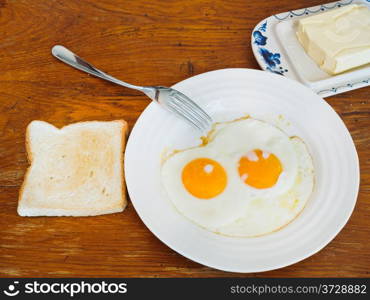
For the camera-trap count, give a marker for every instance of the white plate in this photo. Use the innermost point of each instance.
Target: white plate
(277, 49)
(228, 94)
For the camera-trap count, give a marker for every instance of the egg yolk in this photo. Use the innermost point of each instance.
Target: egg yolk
(260, 169)
(204, 178)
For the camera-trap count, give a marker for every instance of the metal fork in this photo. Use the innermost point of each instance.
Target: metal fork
(169, 98)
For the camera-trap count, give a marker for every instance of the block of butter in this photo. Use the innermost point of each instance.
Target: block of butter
(337, 40)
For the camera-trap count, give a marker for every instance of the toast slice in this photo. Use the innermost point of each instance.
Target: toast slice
(75, 171)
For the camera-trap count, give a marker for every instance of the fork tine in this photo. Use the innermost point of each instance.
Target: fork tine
(185, 113)
(191, 104)
(192, 108)
(197, 108)
(189, 107)
(180, 110)
(198, 112)
(190, 121)
(202, 122)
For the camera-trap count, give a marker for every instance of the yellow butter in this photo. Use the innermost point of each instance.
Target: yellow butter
(337, 40)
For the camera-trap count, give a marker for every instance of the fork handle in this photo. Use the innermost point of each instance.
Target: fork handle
(77, 62)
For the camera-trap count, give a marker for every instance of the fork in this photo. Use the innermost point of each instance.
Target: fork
(171, 99)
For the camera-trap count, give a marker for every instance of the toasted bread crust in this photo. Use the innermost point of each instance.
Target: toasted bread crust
(125, 133)
(29, 159)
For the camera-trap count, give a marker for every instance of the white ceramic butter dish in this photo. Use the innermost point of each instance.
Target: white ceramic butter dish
(277, 49)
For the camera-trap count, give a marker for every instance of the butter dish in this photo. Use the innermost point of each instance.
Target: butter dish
(277, 49)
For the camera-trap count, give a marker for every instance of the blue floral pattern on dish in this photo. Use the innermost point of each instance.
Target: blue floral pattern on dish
(259, 38)
(272, 60)
(264, 26)
(276, 71)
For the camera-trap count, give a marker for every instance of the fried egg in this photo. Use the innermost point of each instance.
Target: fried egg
(248, 178)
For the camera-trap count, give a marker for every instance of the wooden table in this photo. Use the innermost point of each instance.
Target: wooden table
(144, 42)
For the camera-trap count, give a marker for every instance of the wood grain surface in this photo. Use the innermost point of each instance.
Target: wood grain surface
(145, 42)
